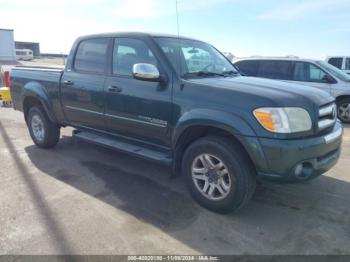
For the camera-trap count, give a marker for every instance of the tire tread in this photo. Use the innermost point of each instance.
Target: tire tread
(248, 179)
(52, 132)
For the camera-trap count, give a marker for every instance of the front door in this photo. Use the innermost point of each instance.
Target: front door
(134, 108)
(82, 87)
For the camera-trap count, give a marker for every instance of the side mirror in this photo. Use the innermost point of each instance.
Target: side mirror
(146, 72)
(328, 79)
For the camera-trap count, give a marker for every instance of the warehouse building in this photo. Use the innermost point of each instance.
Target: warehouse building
(7, 45)
(35, 47)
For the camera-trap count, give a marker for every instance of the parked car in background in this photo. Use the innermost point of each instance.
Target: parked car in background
(341, 62)
(182, 103)
(308, 72)
(24, 54)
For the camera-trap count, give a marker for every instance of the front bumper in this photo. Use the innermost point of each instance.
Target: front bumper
(301, 159)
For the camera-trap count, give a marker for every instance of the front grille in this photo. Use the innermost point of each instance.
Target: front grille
(327, 117)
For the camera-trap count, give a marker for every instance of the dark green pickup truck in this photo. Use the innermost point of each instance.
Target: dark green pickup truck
(180, 102)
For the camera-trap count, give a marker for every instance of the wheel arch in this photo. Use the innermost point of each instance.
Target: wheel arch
(34, 94)
(338, 98)
(195, 127)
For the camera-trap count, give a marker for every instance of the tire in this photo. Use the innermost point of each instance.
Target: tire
(343, 110)
(239, 179)
(38, 120)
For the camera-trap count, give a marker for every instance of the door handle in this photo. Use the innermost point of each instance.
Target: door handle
(115, 89)
(68, 83)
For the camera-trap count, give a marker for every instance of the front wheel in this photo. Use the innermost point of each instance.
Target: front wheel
(343, 106)
(44, 133)
(219, 174)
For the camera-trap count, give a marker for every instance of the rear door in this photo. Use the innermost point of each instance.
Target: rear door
(82, 87)
(134, 108)
(275, 69)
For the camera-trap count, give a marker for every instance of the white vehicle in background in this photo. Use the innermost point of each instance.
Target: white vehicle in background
(307, 72)
(341, 62)
(24, 54)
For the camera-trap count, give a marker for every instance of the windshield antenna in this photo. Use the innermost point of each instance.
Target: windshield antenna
(178, 36)
(177, 19)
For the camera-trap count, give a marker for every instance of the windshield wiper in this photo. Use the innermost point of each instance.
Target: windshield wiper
(211, 74)
(208, 73)
(230, 72)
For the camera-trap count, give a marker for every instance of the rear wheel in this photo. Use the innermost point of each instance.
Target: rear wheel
(343, 106)
(44, 133)
(219, 174)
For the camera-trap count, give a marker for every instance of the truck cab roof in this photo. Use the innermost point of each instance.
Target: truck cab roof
(133, 34)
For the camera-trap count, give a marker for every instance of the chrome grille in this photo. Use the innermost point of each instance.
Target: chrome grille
(327, 116)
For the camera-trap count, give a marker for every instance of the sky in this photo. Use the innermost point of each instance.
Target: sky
(309, 28)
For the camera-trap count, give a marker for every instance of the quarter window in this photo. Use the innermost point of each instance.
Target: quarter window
(336, 61)
(128, 52)
(92, 55)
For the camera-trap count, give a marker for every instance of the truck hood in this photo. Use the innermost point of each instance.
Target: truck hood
(279, 93)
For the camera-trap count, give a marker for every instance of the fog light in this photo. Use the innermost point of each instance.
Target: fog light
(303, 171)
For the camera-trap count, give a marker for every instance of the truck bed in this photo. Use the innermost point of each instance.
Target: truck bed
(24, 78)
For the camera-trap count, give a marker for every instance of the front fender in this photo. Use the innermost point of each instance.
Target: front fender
(38, 91)
(213, 118)
(229, 122)
(340, 92)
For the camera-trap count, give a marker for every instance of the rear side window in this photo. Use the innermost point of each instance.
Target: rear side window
(91, 55)
(248, 67)
(336, 61)
(307, 72)
(275, 69)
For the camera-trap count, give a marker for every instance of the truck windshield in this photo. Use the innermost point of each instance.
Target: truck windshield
(334, 71)
(192, 58)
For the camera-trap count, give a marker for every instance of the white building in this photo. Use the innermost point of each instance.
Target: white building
(7, 45)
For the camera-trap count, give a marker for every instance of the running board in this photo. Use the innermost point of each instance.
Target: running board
(124, 146)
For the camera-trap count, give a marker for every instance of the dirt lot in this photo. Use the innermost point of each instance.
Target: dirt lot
(82, 199)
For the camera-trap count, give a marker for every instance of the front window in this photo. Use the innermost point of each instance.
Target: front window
(334, 71)
(307, 72)
(192, 58)
(129, 51)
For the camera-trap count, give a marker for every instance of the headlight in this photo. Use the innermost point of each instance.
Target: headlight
(283, 120)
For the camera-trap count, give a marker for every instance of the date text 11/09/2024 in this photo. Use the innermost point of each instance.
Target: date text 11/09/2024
(173, 258)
